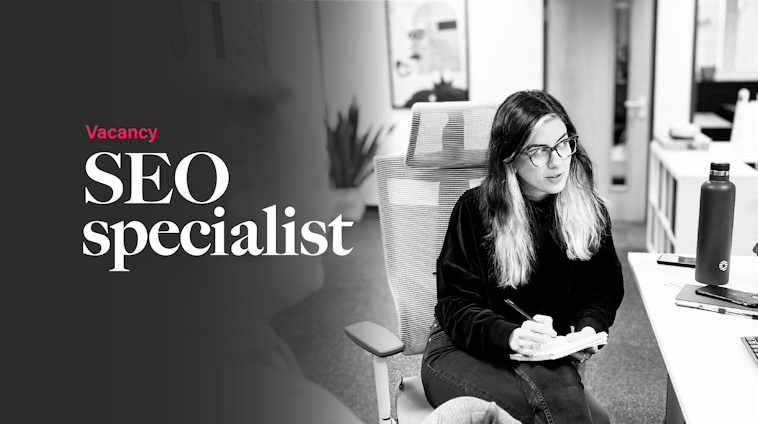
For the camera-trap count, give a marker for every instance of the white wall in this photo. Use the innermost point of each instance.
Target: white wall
(674, 49)
(354, 58)
(506, 42)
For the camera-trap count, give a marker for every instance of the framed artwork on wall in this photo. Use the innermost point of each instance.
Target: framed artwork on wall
(428, 51)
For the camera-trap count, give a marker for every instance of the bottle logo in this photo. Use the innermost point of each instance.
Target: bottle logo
(723, 265)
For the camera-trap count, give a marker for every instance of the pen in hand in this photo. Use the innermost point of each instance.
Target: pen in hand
(519, 310)
(530, 318)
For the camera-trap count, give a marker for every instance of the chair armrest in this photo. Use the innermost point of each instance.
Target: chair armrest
(374, 338)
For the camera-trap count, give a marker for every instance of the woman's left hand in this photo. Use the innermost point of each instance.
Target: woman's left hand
(583, 355)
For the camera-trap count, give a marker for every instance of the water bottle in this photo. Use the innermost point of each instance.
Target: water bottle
(714, 229)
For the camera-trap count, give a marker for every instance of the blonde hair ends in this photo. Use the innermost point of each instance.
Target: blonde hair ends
(579, 223)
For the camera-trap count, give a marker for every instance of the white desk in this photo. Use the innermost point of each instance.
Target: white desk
(714, 378)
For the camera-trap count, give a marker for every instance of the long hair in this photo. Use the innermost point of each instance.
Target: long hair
(580, 216)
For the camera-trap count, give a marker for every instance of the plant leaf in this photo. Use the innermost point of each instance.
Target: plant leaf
(351, 156)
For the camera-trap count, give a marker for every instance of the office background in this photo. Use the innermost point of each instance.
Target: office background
(629, 376)
(330, 54)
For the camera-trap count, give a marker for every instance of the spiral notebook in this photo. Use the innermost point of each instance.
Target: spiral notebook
(560, 347)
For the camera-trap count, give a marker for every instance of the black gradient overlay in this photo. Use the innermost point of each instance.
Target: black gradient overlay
(180, 338)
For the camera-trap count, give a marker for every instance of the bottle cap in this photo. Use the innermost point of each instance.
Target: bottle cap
(719, 166)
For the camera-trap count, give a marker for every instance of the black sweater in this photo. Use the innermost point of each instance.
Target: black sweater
(470, 305)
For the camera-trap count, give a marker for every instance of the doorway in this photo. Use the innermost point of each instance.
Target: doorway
(599, 65)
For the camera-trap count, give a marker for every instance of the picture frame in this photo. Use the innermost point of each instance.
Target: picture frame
(428, 51)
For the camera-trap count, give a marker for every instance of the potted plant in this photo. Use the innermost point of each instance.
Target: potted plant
(351, 158)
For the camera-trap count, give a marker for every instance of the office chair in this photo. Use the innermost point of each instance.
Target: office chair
(417, 192)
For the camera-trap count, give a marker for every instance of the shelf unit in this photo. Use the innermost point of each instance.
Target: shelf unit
(674, 179)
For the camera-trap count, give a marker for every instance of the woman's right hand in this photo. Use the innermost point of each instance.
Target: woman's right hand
(532, 335)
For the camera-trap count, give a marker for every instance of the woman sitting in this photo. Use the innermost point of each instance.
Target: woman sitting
(538, 233)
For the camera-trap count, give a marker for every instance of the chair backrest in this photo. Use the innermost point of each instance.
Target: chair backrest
(446, 156)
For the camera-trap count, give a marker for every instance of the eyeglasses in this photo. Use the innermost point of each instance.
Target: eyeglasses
(541, 156)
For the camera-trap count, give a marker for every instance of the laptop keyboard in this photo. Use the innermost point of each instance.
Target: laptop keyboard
(751, 343)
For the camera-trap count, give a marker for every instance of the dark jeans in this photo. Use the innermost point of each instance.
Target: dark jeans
(532, 392)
